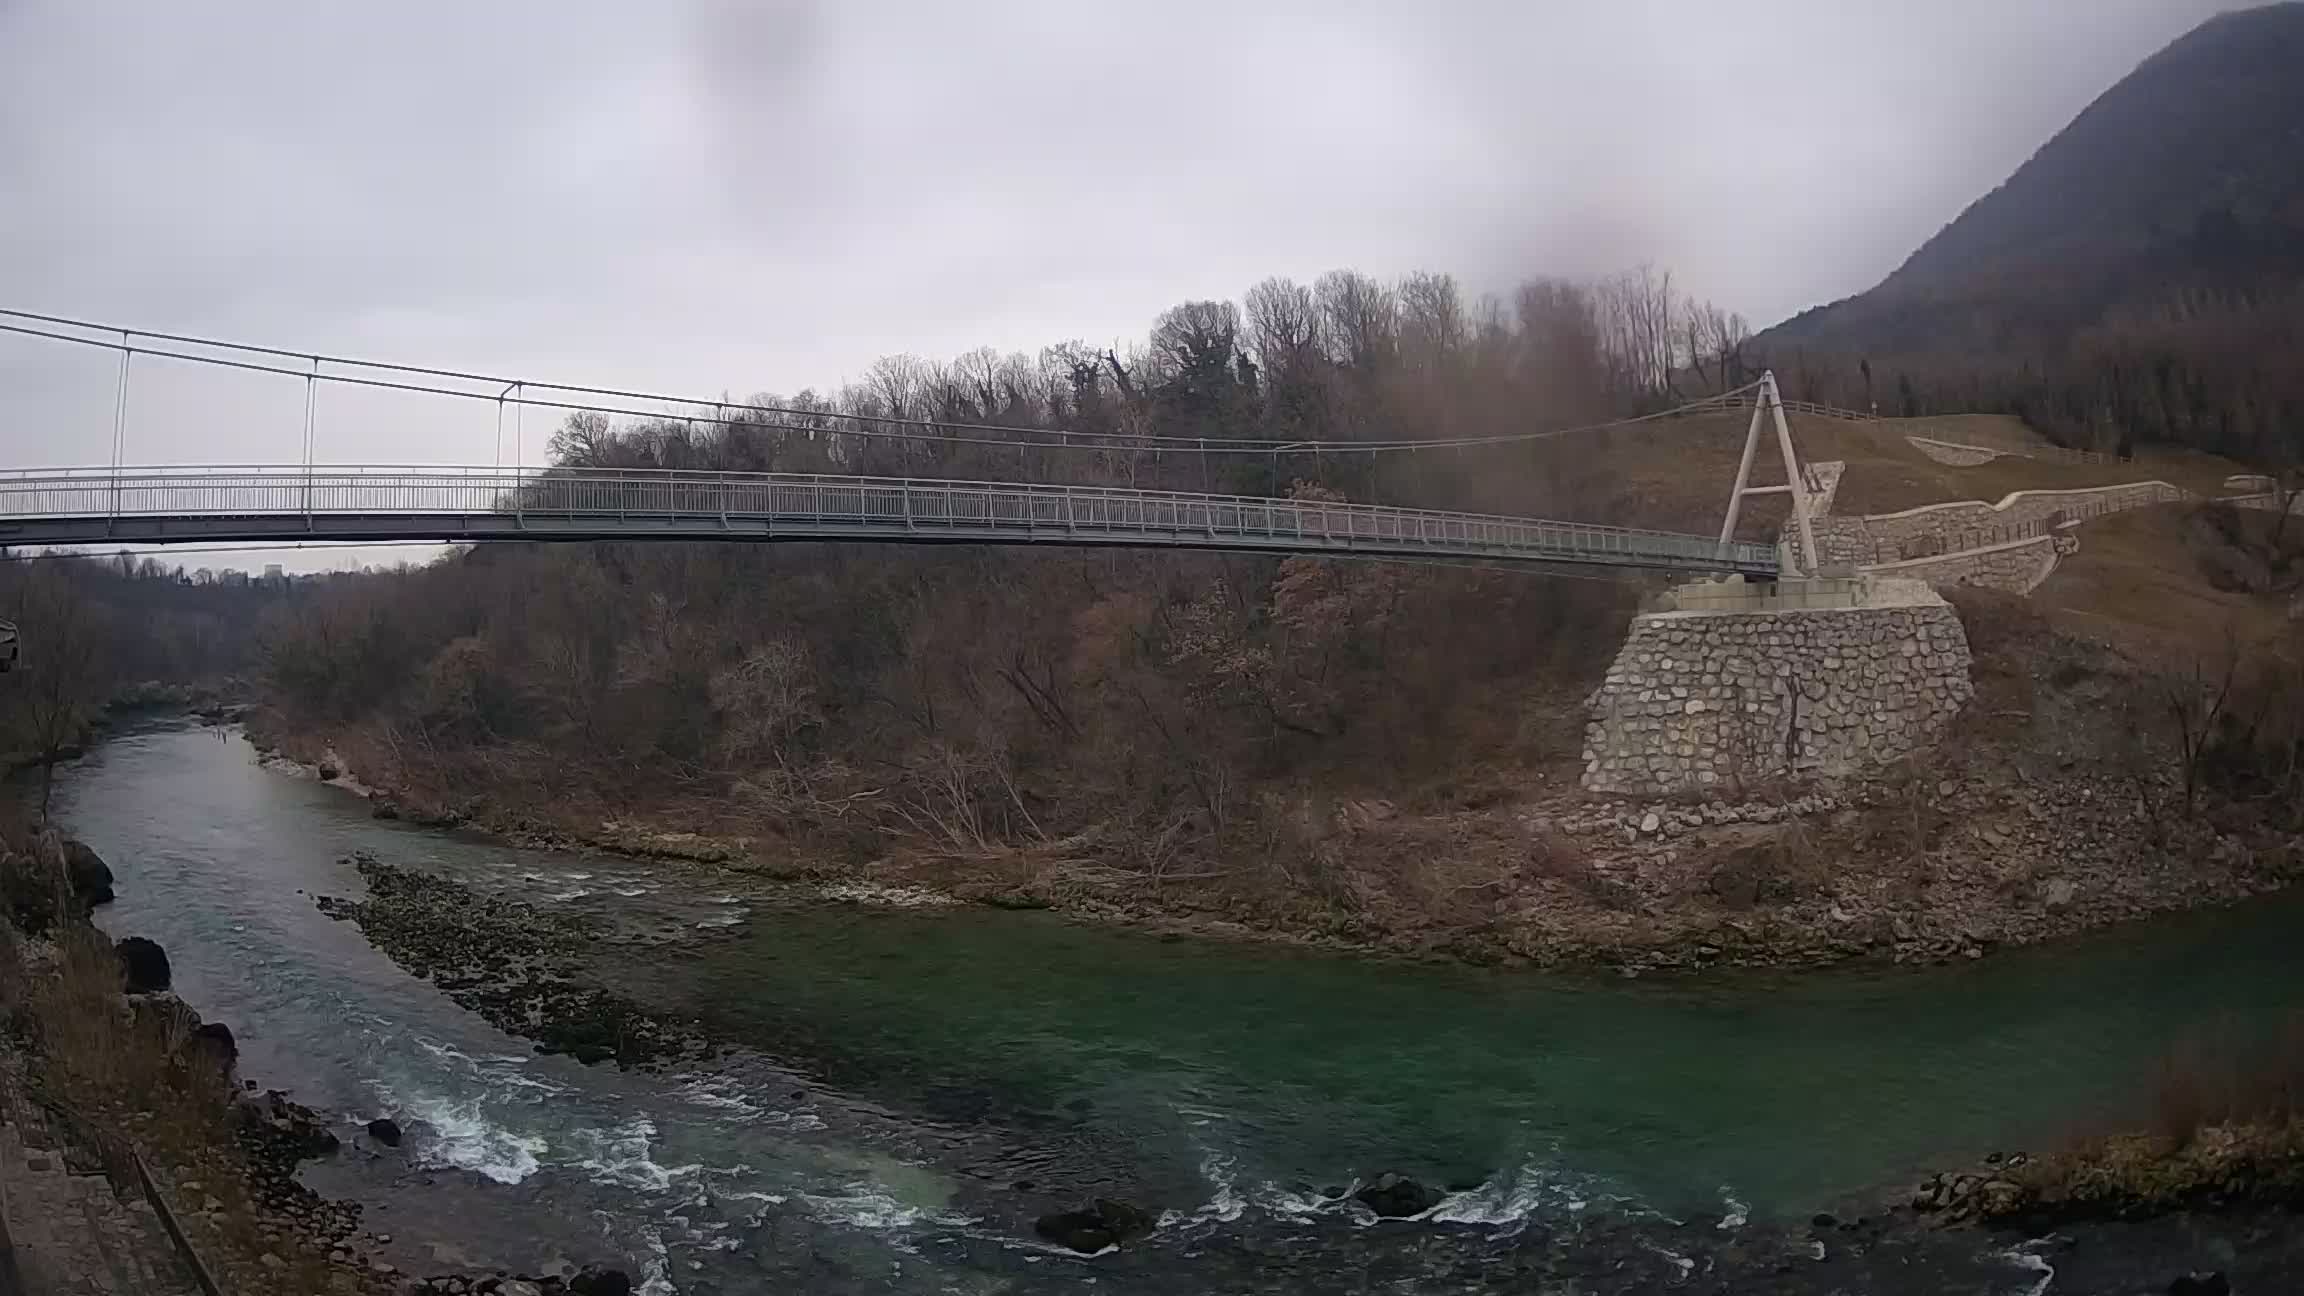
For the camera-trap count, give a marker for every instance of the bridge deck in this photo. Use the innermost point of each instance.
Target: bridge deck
(256, 504)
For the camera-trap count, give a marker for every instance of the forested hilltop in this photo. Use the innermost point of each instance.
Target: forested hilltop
(2139, 280)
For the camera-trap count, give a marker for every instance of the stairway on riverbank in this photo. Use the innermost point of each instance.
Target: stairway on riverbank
(68, 1232)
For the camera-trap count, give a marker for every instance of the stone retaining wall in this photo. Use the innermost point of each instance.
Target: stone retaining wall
(1941, 528)
(2017, 567)
(1698, 701)
(2269, 502)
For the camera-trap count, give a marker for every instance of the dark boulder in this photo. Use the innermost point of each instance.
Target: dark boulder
(1105, 1223)
(385, 1130)
(288, 1127)
(1396, 1197)
(597, 1280)
(214, 1041)
(384, 810)
(328, 772)
(143, 966)
(90, 877)
(2201, 1284)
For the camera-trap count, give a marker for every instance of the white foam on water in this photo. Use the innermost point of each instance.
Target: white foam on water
(621, 1155)
(869, 1206)
(629, 892)
(1678, 1261)
(572, 893)
(723, 920)
(2023, 1258)
(463, 1137)
(1224, 1205)
(496, 1071)
(655, 1271)
(713, 1093)
(1291, 1204)
(472, 1107)
(1227, 1204)
(1738, 1213)
(1510, 1199)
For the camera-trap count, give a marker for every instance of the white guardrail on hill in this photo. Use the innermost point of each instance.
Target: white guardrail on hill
(1931, 428)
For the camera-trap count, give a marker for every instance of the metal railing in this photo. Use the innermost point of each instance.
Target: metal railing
(1959, 439)
(265, 502)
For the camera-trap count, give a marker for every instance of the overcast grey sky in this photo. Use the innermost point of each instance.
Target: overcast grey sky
(730, 196)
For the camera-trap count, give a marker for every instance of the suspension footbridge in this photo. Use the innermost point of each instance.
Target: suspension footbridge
(122, 504)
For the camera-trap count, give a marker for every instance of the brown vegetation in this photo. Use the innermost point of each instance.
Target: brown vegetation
(1193, 722)
(2228, 1128)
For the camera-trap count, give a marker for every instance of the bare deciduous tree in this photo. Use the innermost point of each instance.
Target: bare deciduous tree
(58, 685)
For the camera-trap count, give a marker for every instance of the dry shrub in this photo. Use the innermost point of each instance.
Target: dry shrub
(2219, 1076)
(32, 890)
(1561, 858)
(2001, 627)
(1783, 865)
(1554, 854)
(1908, 820)
(104, 1061)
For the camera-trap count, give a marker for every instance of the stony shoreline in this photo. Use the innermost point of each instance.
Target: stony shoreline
(420, 920)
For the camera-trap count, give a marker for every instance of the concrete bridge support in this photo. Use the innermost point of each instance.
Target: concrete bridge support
(1738, 684)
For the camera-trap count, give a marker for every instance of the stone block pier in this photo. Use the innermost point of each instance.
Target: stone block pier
(1734, 684)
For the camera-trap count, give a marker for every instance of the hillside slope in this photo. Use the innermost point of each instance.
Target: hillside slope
(2140, 278)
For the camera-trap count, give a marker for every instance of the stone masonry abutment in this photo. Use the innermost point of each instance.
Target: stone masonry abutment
(1742, 684)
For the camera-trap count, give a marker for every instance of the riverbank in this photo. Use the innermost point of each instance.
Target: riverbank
(914, 1089)
(2037, 1217)
(2051, 810)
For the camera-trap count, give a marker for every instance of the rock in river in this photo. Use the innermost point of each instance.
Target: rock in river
(595, 1280)
(385, 1130)
(215, 1040)
(1105, 1223)
(1396, 1197)
(90, 876)
(143, 965)
(292, 1129)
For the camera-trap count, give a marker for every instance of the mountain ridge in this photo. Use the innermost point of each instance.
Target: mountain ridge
(2161, 233)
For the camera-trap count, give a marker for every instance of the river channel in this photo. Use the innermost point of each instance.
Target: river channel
(913, 1086)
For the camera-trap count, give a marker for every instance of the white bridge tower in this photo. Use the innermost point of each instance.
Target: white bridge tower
(1768, 402)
